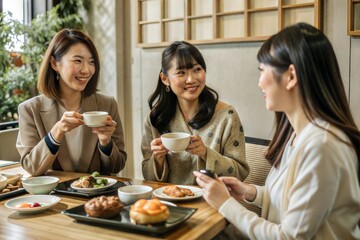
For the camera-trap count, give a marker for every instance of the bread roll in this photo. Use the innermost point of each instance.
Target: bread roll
(148, 212)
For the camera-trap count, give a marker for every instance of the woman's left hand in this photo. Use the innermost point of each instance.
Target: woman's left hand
(197, 147)
(215, 192)
(104, 133)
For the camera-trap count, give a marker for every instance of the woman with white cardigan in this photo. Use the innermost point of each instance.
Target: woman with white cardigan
(312, 191)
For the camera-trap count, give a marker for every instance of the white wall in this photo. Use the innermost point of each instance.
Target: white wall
(231, 70)
(105, 24)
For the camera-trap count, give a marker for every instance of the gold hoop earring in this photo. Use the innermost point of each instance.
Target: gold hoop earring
(167, 89)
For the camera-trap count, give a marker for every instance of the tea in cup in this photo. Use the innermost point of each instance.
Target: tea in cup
(176, 141)
(95, 118)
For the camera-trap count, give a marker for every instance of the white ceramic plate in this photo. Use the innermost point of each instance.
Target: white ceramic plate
(94, 190)
(168, 203)
(46, 201)
(198, 192)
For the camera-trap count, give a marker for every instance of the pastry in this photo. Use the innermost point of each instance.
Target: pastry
(176, 191)
(148, 212)
(104, 207)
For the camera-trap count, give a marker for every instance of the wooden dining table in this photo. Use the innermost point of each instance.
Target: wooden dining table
(205, 223)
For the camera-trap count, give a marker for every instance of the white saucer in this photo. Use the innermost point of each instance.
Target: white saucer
(46, 201)
(95, 125)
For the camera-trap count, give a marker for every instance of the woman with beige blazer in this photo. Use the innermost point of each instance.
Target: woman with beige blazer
(52, 134)
(312, 191)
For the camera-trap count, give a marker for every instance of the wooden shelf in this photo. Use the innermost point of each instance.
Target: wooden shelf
(161, 22)
(197, 17)
(353, 21)
(267, 9)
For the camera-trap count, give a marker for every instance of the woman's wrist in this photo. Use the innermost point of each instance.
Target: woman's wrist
(250, 193)
(105, 143)
(57, 134)
(106, 149)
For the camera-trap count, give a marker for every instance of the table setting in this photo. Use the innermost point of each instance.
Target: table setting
(65, 201)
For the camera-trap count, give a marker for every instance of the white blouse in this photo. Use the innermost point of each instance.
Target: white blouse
(74, 142)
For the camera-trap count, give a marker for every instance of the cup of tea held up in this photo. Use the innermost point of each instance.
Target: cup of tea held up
(176, 141)
(95, 118)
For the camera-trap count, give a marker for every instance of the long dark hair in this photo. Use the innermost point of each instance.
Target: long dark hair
(321, 87)
(58, 47)
(163, 104)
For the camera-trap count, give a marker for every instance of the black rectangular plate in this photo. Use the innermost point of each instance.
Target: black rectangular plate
(177, 216)
(18, 191)
(64, 188)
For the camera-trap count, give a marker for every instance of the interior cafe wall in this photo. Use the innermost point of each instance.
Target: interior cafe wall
(232, 70)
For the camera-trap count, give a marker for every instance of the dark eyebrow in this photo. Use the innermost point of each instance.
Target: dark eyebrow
(79, 56)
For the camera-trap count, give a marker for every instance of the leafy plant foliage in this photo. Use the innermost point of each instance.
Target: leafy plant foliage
(19, 70)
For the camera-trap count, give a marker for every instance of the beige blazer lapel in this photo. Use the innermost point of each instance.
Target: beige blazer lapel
(51, 113)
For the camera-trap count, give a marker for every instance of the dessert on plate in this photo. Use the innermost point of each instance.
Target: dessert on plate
(176, 191)
(148, 212)
(104, 206)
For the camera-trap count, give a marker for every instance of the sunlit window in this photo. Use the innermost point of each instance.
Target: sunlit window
(17, 9)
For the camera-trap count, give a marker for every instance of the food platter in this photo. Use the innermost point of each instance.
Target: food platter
(65, 188)
(178, 215)
(12, 193)
(110, 183)
(13, 179)
(46, 201)
(198, 192)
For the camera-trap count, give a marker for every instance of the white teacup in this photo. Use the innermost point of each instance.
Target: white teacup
(176, 141)
(95, 118)
(130, 194)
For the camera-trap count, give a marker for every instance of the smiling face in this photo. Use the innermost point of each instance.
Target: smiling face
(275, 91)
(75, 68)
(186, 83)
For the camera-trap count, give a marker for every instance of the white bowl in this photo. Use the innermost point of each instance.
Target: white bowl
(12, 178)
(3, 182)
(40, 185)
(95, 118)
(176, 141)
(130, 194)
